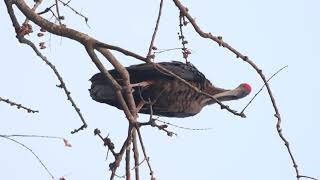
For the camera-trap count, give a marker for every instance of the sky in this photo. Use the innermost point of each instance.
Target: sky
(272, 33)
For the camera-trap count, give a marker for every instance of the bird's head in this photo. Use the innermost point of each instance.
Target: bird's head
(240, 92)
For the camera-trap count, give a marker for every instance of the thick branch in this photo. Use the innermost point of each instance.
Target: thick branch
(116, 86)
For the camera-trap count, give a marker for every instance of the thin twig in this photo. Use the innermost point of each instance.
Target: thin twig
(106, 142)
(262, 88)
(121, 50)
(19, 106)
(155, 31)
(58, 12)
(33, 136)
(185, 51)
(86, 19)
(307, 177)
(165, 50)
(62, 83)
(46, 10)
(185, 128)
(34, 154)
(152, 122)
(137, 165)
(145, 153)
(116, 163)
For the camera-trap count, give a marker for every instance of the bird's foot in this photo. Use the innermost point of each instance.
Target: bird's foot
(142, 84)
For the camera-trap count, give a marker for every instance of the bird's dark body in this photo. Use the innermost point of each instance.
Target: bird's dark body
(170, 97)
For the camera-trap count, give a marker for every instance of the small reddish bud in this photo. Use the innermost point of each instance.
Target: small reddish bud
(66, 143)
(187, 51)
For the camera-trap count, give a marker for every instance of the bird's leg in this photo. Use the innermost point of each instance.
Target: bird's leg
(139, 106)
(142, 84)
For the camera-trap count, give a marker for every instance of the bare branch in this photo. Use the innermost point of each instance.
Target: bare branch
(62, 83)
(262, 88)
(19, 106)
(135, 154)
(116, 163)
(33, 153)
(306, 177)
(106, 142)
(145, 154)
(185, 128)
(119, 49)
(128, 174)
(218, 39)
(155, 32)
(58, 12)
(185, 51)
(86, 19)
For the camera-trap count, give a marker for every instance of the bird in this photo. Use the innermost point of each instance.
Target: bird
(158, 93)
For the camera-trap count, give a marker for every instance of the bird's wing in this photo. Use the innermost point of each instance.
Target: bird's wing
(148, 71)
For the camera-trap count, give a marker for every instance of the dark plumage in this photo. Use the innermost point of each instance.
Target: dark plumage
(171, 97)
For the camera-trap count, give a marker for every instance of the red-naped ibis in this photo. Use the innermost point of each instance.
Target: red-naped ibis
(168, 96)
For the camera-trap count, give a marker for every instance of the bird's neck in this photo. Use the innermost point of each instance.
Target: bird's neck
(215, 92)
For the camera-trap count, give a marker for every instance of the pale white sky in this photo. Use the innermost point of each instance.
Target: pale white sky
(272, 33)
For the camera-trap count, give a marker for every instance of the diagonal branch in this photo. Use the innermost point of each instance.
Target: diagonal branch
(62, 83)
(145, 153)
(29, 110)
(262, 88)
(155, 31)
(33, 153)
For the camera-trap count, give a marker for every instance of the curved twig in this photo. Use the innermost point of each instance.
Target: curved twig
(33, 153)
(262, 88)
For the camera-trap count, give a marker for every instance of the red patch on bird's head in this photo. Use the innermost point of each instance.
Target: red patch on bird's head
(246, 86)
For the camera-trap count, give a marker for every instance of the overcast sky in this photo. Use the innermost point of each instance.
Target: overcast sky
(272, 33)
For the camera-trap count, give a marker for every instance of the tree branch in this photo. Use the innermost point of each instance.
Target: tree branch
(29, 110)
(155, 31)
(218, 39)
